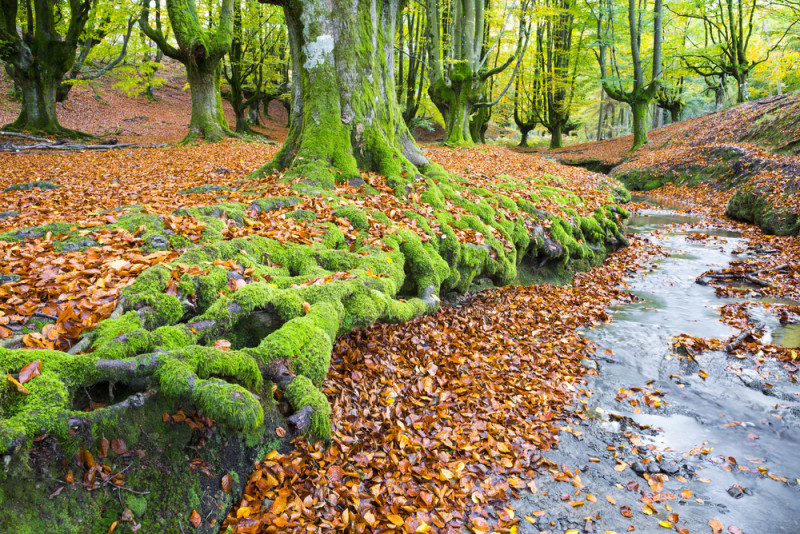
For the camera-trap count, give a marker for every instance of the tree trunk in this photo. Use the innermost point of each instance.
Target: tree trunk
(344, 113)
(479, 124)
(555, 136)
(742, 93)
(208, 119)
(675, 114)
(38, 86)
(253, 119)
(523, 142)
(454, 103)
(639, 109)
(239, 106)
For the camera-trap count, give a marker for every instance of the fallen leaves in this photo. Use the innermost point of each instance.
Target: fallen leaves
(477, 391)
(69, 291)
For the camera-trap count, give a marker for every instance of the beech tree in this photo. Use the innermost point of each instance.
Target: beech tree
(524, 109)
(345, 115)
(200, 50)
(728, 27)
(643, 92)
(556, 62)
(411, 61)
(38, 45)
(458, 69)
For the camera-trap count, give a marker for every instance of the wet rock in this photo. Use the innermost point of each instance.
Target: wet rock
(356, 182)
(639, 468)
(670, 467)
(653, 468)
(70, 247)
(221, 170)
(589, 364)
(736, 492)
(159, 242)
(234, 275)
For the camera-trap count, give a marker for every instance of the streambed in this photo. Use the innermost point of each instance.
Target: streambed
(724, 431)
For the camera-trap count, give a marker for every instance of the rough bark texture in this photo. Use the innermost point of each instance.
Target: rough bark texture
(344, 115)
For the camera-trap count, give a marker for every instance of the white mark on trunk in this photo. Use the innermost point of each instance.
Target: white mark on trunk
(318, 51)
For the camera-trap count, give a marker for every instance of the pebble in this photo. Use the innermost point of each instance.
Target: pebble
(736, 492)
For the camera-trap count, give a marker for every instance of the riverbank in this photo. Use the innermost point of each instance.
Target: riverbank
(747, 156)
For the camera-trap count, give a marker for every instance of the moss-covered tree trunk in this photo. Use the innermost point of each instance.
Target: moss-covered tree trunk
(555, 136)
(38, 54)
(208, 118)
(345, 114)
(201, 52)
(639, 108)
(523, 142)
(38, 85)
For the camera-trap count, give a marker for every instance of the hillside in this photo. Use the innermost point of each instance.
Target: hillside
(745, 158)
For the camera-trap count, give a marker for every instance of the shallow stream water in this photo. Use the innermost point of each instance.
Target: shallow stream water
(718, 421)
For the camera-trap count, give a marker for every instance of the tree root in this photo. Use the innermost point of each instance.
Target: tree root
(751, 277)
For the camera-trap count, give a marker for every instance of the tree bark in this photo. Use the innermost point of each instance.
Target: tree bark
(38, 86)
(555, 135)
(344, 113)
(208, 119)
(639, 109)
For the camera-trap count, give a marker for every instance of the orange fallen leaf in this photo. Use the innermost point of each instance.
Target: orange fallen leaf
(29, 371)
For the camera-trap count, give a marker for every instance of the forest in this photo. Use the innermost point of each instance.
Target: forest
(424, 266)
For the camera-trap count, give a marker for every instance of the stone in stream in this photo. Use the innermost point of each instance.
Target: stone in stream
(670, 467)
(736, 492)
(588, 364)
(639, 468)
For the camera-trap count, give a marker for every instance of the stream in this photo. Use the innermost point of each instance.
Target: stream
(725, 429)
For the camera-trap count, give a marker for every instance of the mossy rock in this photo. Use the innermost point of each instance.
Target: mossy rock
(41, 184)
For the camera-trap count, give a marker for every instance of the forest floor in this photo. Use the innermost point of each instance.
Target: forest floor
(491, 404)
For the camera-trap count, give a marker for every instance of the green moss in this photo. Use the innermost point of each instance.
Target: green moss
(34, 232)
(302, 215)
(357, 218)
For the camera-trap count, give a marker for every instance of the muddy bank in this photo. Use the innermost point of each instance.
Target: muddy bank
(664, 440)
